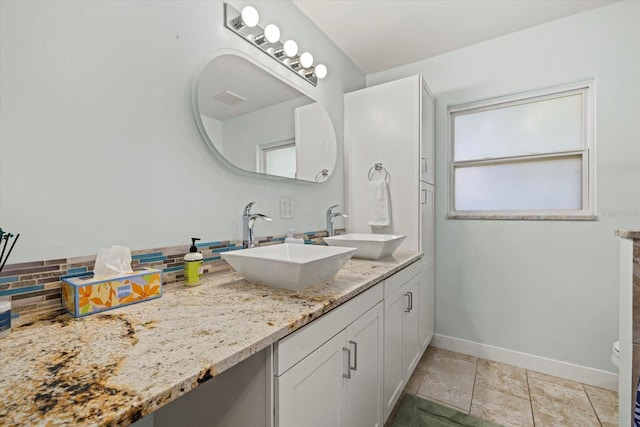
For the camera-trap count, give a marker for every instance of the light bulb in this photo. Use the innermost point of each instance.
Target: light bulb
(306, 59)
(272, 33)
(250, 16)
(290, 48)
(321, 71)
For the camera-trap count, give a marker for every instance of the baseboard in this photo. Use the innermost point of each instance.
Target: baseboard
(582, 374)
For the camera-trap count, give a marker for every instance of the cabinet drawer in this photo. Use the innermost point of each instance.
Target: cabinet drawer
(293, 348)
(391, 284)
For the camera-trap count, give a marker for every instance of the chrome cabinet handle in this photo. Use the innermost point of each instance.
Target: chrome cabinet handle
(348, 374)
(355, 356)
(410, 302)
(425, 165)
(424, 196)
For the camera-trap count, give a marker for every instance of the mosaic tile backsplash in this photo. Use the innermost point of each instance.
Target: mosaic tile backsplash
(34, 288)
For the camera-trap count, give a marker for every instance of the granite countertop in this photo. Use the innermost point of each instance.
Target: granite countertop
(115, 367)
(628, 234)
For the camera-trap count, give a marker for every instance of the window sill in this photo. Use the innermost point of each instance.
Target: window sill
(524, 217)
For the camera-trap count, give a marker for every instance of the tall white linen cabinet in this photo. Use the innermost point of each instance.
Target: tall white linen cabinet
(392, 125)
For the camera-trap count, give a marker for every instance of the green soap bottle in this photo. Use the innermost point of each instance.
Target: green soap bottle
(193, 265)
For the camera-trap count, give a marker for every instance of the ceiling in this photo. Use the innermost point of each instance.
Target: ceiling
(382, 34)
(231, 86)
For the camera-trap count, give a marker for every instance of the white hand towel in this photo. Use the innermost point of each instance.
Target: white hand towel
(379, 203)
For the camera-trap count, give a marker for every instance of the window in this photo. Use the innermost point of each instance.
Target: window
(278, 158)
(523, 157)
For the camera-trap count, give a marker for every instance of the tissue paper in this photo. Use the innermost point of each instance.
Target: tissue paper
(115, 260)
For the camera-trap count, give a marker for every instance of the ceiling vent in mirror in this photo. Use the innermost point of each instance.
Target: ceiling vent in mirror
(229, 98)
(246, 24)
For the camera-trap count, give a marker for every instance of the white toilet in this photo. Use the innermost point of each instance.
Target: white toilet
(615, 354)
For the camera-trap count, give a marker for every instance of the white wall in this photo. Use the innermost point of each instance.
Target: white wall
(244, 133)
(546, 288)
(98, 144)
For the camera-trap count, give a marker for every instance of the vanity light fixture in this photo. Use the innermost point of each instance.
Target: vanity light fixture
(288, 48)
(306, 60)
(271, 34)
(302, 64)
(245, 24)
(321, 71)
(248, 18)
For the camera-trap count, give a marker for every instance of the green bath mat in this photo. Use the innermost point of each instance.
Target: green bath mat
(416, 412)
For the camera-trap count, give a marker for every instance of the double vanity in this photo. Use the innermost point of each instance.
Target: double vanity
(234, 351)
(342, 348)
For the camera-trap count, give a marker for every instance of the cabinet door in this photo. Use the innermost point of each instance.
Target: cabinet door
(394, 306)
(427, 135)
(411, 349)
(427, 283)
(382, 125)
(364, 388)
(312, 392)
(427, 303)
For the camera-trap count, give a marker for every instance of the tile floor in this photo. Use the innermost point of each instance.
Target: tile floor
(508, 395)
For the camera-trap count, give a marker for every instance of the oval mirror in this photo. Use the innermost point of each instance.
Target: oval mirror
(258, 123)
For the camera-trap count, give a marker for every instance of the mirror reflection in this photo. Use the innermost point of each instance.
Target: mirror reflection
(259, 123)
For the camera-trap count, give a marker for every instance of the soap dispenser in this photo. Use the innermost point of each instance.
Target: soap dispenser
(291, 239)
(193, 265)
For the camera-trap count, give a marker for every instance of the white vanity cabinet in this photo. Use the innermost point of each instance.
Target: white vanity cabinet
(393, 124)
(403, 344)
(311, 393)
(329, 373)
(364, 388)
(426, 325)
(349, 367)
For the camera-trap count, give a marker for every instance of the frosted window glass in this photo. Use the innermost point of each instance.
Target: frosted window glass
(547, 184)
(536, 127)
(281, 161)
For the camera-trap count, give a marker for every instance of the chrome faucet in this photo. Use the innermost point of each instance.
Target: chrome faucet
(248, 219)
(330, 217)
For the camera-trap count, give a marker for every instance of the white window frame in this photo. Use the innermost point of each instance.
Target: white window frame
(587, 152)
(261, 153)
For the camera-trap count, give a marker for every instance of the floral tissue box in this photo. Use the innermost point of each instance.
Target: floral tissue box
(87, 295)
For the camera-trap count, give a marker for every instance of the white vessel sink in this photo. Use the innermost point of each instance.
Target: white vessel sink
(288, 266)
(370, 246)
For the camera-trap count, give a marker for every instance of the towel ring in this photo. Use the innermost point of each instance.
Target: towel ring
(323, 173)
(378, 168)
